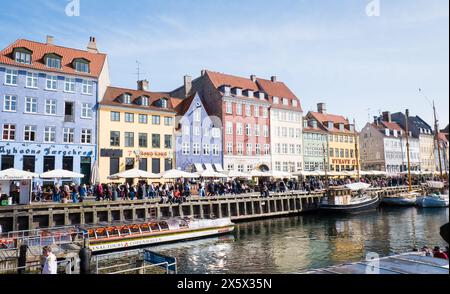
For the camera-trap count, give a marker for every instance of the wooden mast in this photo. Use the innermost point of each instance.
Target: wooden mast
(325, 166)
(358, 176)
(407, 151)
(436, 127)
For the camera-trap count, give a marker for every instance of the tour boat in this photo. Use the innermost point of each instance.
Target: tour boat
(109, 238)
(352, 198)
(403, 199)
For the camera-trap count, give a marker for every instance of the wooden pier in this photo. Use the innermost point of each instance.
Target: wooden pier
(238, 207)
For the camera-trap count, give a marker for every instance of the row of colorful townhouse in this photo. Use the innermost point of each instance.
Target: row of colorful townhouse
(59, 111)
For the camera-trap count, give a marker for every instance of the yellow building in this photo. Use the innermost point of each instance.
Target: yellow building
(342, 139)
(136, 131)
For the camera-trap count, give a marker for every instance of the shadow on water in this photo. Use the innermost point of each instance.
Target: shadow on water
(293, 244)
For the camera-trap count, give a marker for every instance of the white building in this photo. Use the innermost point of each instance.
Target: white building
(383, 147)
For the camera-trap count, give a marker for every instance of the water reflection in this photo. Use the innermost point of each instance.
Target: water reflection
(293, 244)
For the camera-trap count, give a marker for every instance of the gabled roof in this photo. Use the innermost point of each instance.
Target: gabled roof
(221, 79)
(325, 117)
(280, 90)
(393, 126)
(39, 50)
(185, 104)
(113, 94)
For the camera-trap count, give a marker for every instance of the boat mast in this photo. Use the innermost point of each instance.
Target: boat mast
(407, 151)
(325, 165)
(358, 176)
(436, 127)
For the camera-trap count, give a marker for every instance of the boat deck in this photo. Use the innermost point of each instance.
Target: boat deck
(410, 263)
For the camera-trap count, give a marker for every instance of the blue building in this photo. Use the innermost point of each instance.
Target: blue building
(198, 137)
(48, 102)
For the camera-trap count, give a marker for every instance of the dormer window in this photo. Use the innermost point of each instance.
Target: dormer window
(387, 133)
(22, 55)
(294, 103)
(276, 100)
(330, 125)
(250, 93)
(261, 96)
(53, 61)
(164, 103)
(285, 101)
(126, 98)
(314, 124)
(341, 127)
(352, 128)
(81, 65)
(144, 100)
(238, 91)
(226, 90)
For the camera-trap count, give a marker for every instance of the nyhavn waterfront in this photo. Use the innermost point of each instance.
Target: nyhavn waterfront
(309, 241)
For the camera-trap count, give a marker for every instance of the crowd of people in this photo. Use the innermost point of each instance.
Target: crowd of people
(180, 190)
(437, 252)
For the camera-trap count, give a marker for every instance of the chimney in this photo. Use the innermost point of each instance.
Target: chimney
(253, 78)
(376, 121)
(273, 79)
(387, 117)
(322, 107)
(50, 40)
(92, 46)
(143, 85)
(203, 73)
(187, 85)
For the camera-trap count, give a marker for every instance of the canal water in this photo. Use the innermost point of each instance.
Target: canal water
(293, 244)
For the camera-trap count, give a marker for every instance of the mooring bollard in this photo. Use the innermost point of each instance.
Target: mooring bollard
(85, 259)
(22, 261)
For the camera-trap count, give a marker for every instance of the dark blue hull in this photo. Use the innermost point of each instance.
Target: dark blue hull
(369, 205)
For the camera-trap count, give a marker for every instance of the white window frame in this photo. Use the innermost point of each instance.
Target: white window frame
(256, 111)
(197, 115)
(196, 149)
(239, 129)
(28, 130)
(216, 133)
(206, 149)
(239, 109)
(86, 110)
(248, 130)
(229, 107)
(52, 104)
(11, 131)
(85, 135)
(30, 103)
(248, 110)
(215, 150)
(257, 131)
(229, 128)
(87, 87)
(68, 135)
(71, 84)
(230, 148)
(196, 131)
(185, 149)
(240, 148)
(50, 134)
(13, 76)
(52, 81)
(186, 130)
(32, 80)
(266, 131)
(12, 101)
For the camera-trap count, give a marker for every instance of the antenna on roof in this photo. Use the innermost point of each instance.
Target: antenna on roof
(369, 117)
(139, 73)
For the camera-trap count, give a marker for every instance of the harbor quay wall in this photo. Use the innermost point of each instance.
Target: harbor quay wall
(238, 208)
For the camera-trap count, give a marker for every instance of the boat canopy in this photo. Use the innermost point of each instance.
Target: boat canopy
(357, 186)
(435, 185)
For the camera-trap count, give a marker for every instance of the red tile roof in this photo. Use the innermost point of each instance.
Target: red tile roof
(325, 117)
(221, 79)
(391, 126)
(443, 137)
(113, 94)
(280, 90)
(39, 50)
(182, 107)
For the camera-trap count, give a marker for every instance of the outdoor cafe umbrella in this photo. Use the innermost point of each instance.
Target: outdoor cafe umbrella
(238, 174)
(211, 174)
(61, 174)
(259, 174)
(280, 174)
(134, 174)
(15, 174)
(177, 174)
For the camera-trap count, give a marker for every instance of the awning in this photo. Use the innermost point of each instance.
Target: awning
(209, 167)
(198, 167)
(219, 168)
(61, 174)
(134, 174)
(177, 174)
(15, 174)
(211, 174)
(357, 186)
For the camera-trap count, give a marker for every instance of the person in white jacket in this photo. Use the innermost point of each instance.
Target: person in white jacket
(50, 262)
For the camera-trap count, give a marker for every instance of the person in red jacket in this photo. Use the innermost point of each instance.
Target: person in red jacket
(438, 253)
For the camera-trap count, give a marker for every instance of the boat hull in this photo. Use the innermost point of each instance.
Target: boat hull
(432, 202)
(399, 201)
(369, 205)
(142, 241)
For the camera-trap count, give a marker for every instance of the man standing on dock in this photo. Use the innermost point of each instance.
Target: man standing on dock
(50, 264)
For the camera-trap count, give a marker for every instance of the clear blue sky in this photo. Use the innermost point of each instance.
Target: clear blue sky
(326, 51)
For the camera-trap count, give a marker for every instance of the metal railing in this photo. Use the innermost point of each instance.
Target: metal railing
(65, 264)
